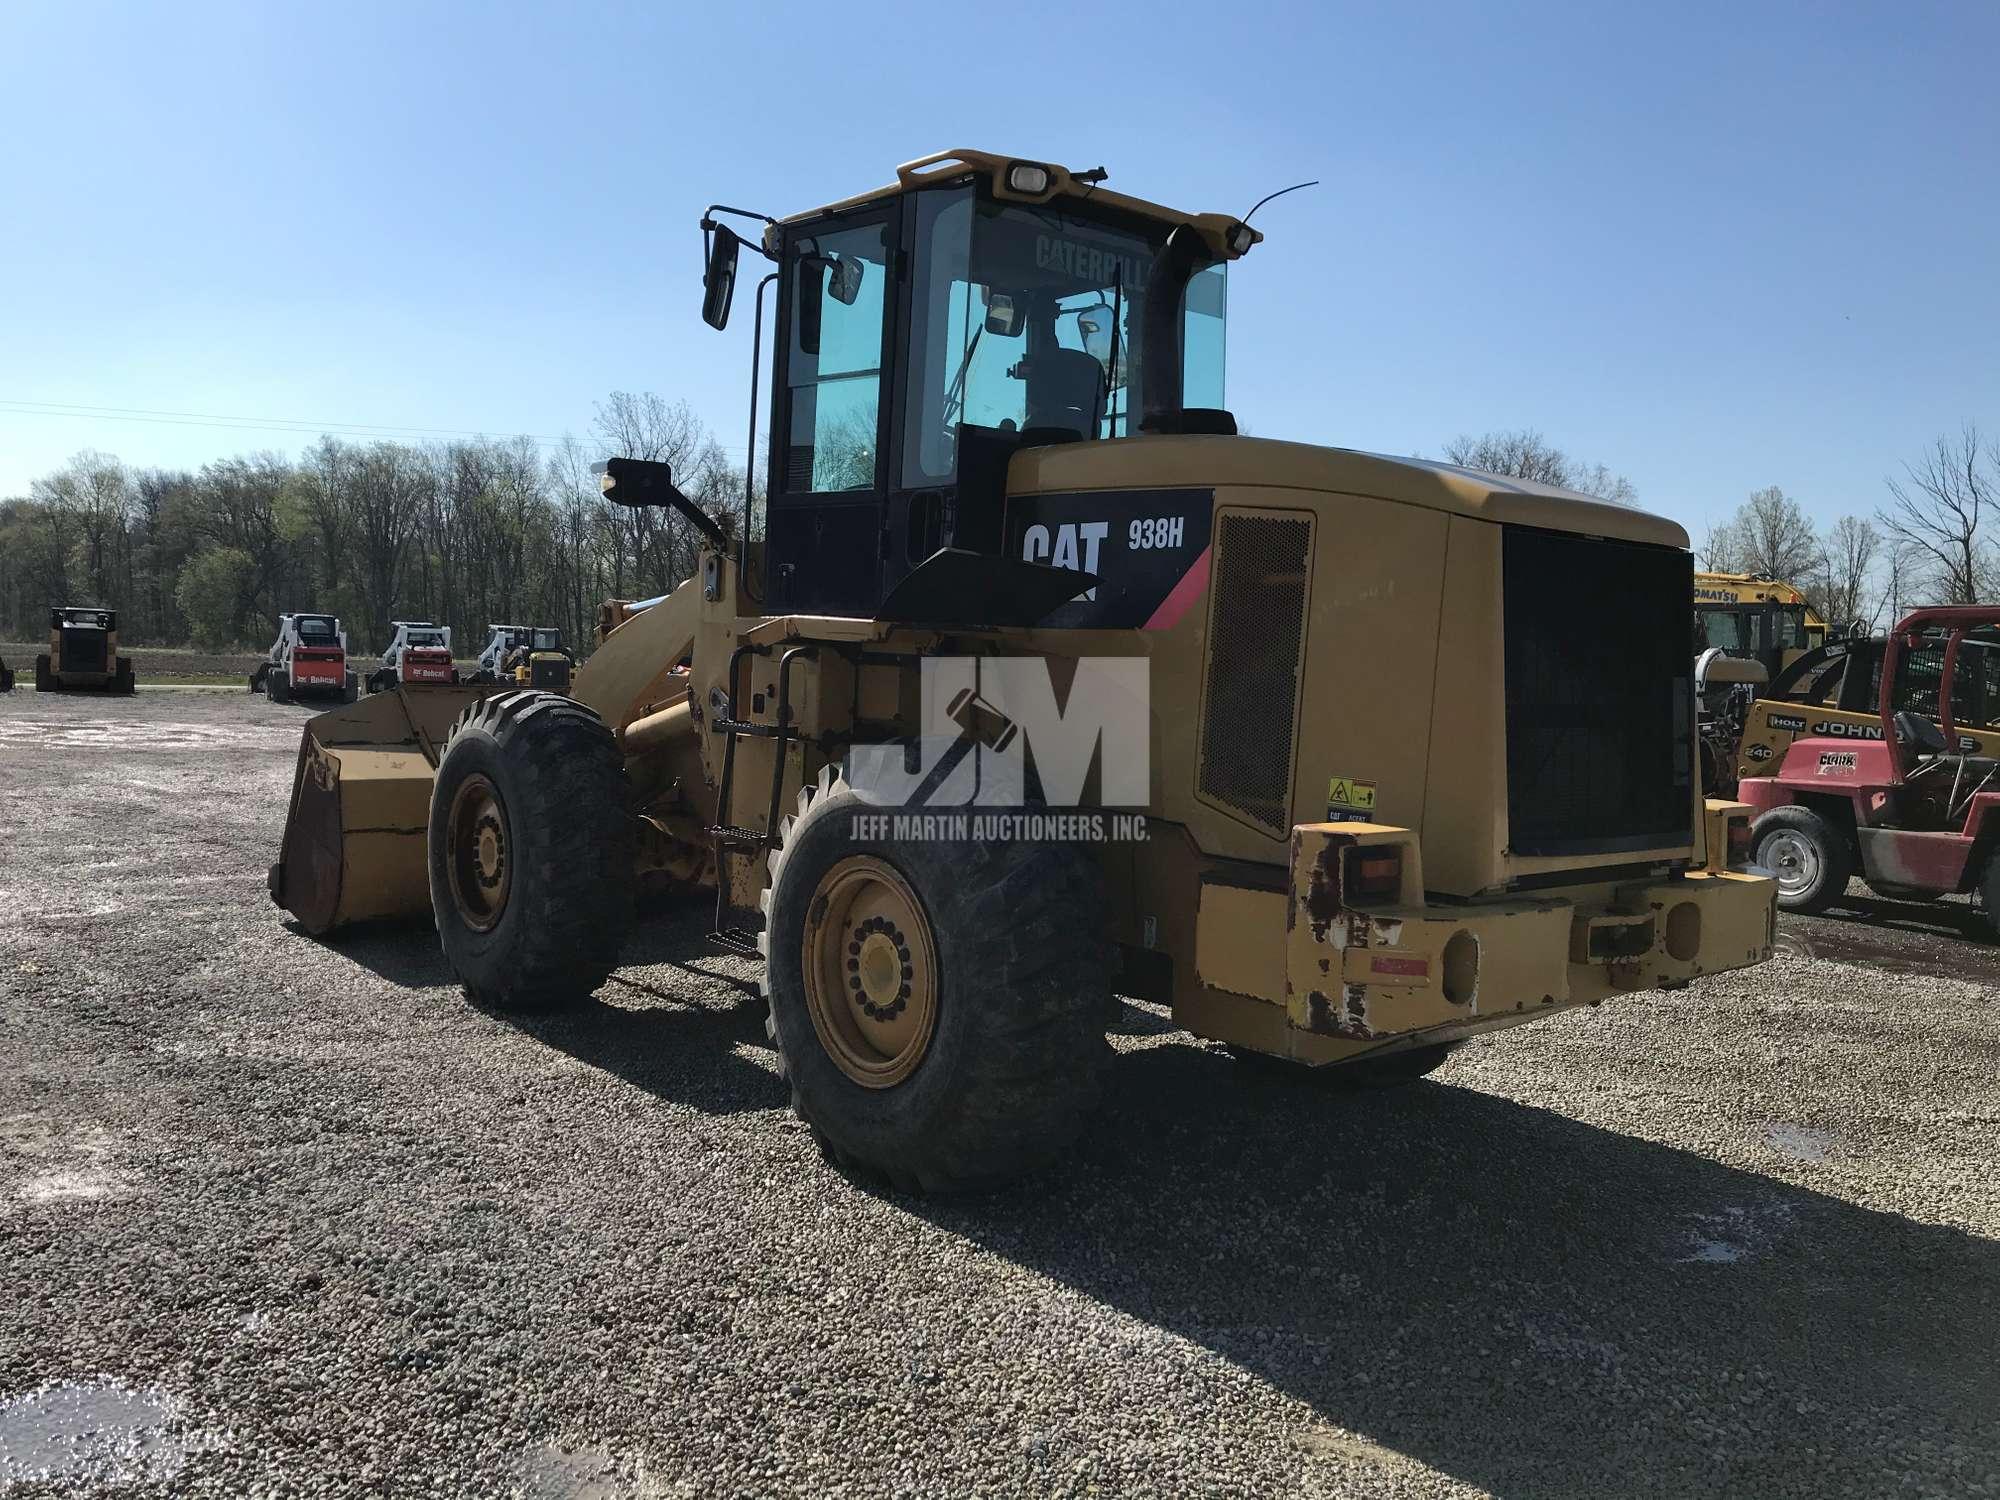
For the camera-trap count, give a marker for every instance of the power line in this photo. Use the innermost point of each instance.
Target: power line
(298, 425)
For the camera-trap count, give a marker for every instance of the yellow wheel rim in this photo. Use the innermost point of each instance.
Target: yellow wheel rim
(478, 865)
(870, 971)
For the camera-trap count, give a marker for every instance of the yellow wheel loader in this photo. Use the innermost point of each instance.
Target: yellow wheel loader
(1044, 686)
(83, 654)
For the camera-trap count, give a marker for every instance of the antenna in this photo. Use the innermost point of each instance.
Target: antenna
(1279, 194)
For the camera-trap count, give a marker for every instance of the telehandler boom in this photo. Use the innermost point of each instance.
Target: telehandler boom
(1043, 685)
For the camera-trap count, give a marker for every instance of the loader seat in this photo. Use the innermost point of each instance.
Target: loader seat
(1066, 390)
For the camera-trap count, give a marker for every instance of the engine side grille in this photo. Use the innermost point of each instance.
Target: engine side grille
(1599, 665)
(1259, 578)
(83, 650)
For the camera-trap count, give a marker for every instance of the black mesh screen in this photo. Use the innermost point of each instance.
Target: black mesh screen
(1251, 695)
(1599, 666)
(83, 650)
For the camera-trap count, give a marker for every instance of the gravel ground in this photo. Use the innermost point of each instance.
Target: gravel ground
(288, 1218)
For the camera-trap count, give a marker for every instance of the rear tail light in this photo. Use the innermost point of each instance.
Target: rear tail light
(1739, 841)
(1374, 872)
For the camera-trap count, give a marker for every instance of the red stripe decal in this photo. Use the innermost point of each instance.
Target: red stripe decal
(1193, 584)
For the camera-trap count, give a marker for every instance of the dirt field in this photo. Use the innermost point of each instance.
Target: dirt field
(164, 664)
(285, 1217)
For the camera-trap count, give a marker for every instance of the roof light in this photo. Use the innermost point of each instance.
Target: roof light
(1027, 177)
(1241, 238)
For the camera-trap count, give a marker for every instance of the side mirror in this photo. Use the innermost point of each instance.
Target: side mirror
(718, 280)
(812, 292)
(635, 481)
(1004, 316)
(845, 280)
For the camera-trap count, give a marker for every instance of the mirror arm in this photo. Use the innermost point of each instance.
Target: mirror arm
(757, 244)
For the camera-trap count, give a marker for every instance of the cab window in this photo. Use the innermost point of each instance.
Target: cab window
(1720, 627)
(836, 393)
(1031, 317)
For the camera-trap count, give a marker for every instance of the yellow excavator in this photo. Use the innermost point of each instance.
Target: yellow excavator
(1755, 617)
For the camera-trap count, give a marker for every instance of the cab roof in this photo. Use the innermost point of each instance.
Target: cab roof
(947, 166)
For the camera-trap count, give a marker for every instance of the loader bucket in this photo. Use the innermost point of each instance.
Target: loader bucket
(354, 838)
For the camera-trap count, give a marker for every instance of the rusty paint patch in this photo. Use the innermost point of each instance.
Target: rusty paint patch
(1323, 891)
(1319, 1013)
(1292, 886)
(1348, 1019)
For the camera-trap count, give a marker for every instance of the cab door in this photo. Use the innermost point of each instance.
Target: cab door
(824, 525)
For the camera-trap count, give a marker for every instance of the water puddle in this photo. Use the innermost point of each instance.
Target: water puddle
(99, 1431)
(1734, 1232)
(1944, 950)
(1801, 1142)
(44, 1162)
(548, 1473)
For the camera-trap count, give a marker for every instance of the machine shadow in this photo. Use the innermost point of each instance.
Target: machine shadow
(1438, 1269)
(404, 950)
(689, 1054)
(1948, 919)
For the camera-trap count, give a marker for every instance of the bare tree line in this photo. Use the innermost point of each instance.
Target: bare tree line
(463, 533)
(1931, 542)
(470, 532)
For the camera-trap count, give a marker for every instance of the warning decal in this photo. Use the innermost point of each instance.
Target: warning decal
(1349, 800)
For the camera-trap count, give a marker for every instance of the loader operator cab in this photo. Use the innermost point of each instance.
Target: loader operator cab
(928, 332)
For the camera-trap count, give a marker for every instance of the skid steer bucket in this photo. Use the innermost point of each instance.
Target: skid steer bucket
(354, 838)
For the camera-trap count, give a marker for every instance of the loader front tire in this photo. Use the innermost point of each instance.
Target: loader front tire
(531, 843)
(938, 1007)
(1812, 859)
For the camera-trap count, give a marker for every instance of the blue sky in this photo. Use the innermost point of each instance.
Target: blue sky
(1714, 247)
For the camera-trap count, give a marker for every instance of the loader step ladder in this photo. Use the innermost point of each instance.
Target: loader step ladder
(736, 927)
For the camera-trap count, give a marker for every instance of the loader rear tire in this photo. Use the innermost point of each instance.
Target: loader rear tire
(1812, 859)
(45, 680)
(531, 843)
(278, 686)
(938, 1008)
